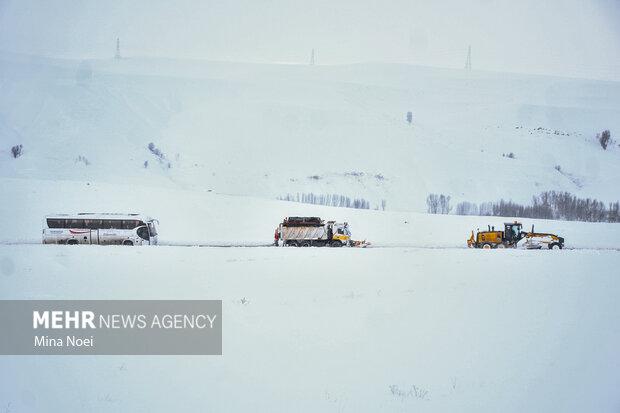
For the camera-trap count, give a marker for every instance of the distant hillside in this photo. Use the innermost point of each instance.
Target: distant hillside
(273, 130)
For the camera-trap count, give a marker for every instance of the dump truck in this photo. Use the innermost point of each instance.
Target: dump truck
(314, 232)
(510, 237)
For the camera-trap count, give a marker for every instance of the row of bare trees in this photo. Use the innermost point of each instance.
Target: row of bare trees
(438, 204)
(547, 205)
(335, 200)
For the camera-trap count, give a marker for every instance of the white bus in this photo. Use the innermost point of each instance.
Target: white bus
(103, 229)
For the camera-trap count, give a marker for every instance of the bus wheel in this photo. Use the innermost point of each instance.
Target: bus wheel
(72, 242)
(336, 243)
(127, 242)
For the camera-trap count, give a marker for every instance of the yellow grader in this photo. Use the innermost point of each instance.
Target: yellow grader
(510, 237)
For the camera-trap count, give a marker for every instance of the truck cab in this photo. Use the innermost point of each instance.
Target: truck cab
(512, 232)
(340, 232)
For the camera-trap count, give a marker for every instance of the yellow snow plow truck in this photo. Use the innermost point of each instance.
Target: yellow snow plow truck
(510, 237)
(314, 232)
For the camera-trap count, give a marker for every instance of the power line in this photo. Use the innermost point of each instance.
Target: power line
(468, 61)
(118, 49)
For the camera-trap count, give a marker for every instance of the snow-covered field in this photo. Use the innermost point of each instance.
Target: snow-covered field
(426, 325)
(398, 329)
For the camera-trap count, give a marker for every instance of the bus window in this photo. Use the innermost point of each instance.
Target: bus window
(75, 223)
(117, 223)
(92, 223)
(127, 224)
(106, 224)
(55, 223)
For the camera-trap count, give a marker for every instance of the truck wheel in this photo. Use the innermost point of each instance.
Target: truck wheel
(292, 244)
(555, 246)
(336, 244)
(305, 244)
(487, 246)
(501, 246)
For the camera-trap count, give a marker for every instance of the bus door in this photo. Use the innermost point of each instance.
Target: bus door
(143, 232)
(93, 226)
(94, 236)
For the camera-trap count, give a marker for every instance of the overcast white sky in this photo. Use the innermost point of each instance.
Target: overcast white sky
(562, 37)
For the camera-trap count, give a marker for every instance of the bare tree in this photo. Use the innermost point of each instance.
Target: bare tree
(432, 203)
(444, 204)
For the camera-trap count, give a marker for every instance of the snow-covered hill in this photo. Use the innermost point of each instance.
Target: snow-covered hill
(271, 130)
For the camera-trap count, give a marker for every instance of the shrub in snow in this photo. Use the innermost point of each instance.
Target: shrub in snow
(604, 138)
(413, 391)
(17, 151)
(146, 164)
(510, 155)
(155, 151)
(82, 159)
(409, 117)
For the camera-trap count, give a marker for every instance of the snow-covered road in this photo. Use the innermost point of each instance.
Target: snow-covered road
(385, 329)
(210, 219)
